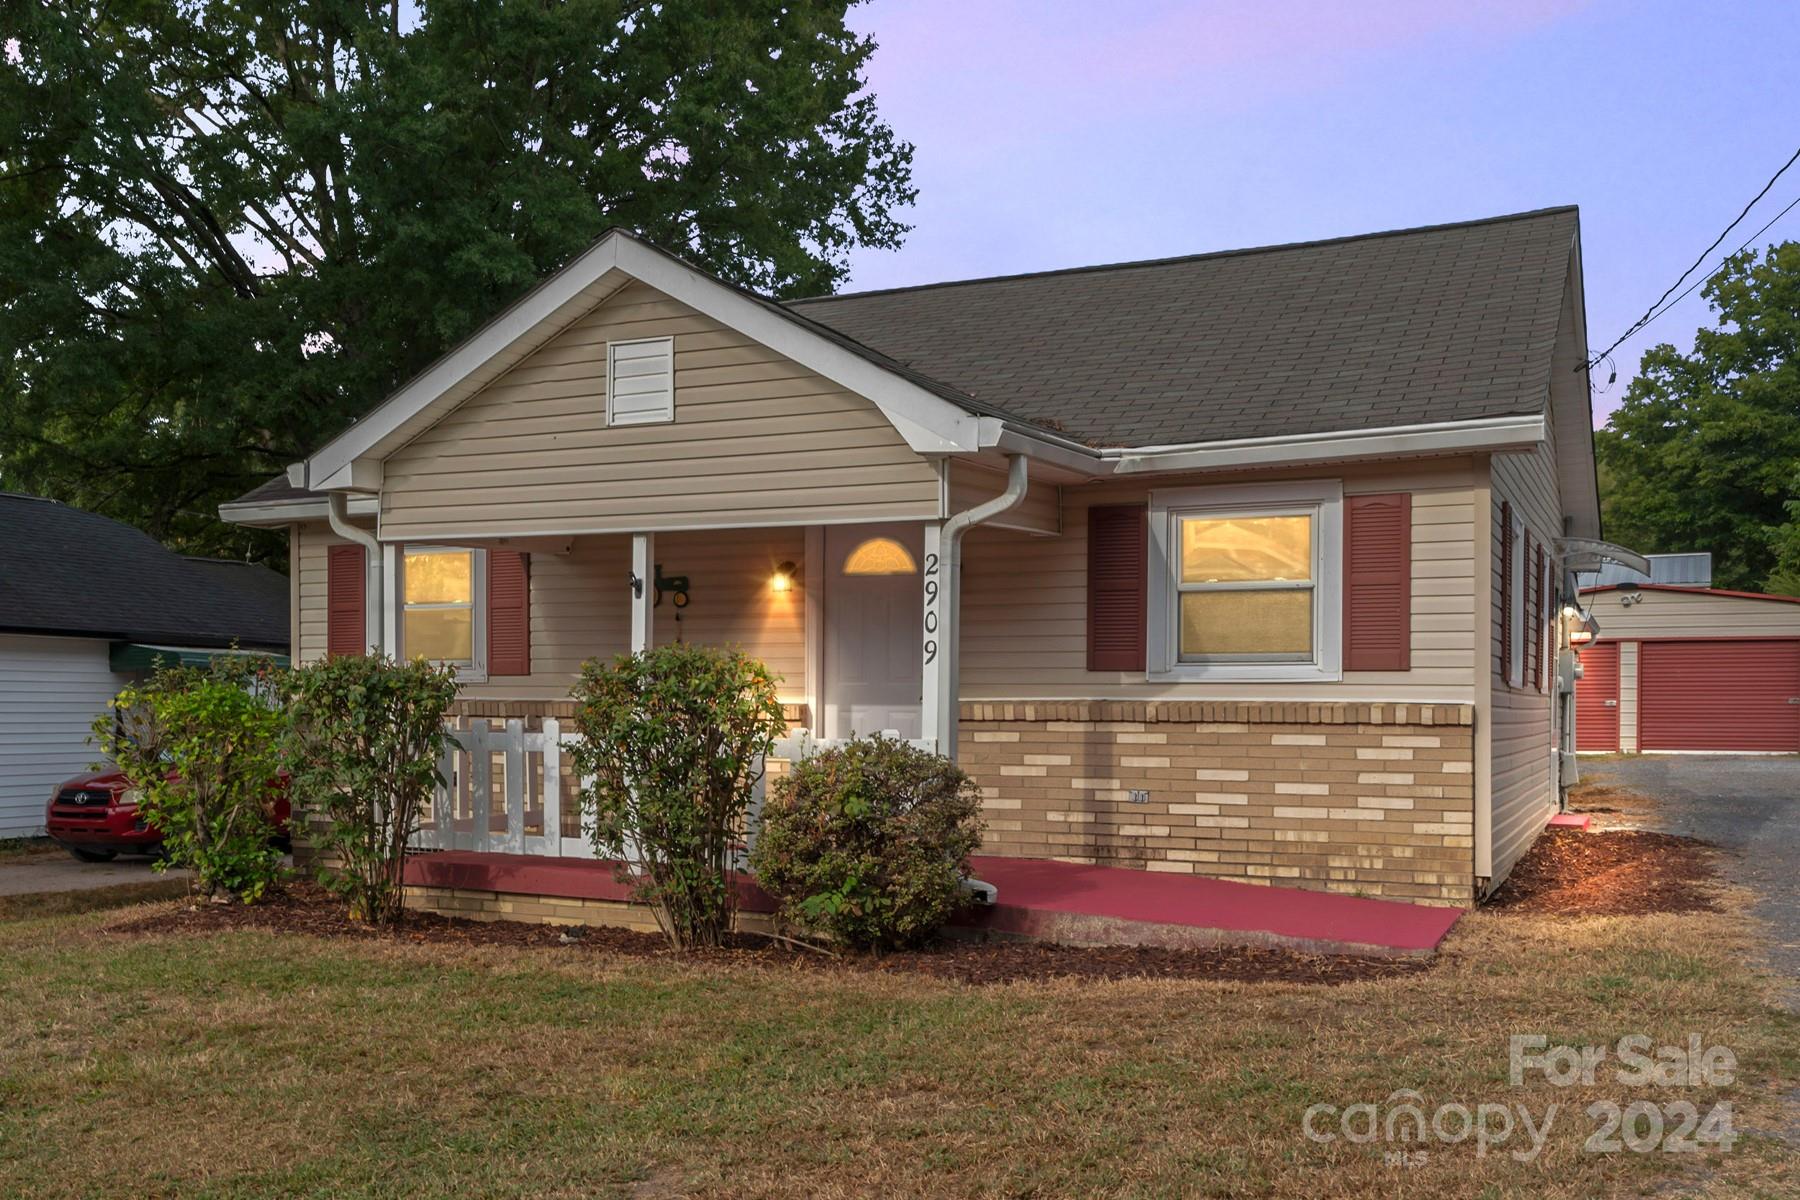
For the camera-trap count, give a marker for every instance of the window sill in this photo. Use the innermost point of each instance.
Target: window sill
(1246, 673)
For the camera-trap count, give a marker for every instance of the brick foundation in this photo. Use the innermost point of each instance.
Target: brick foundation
(1369, 799)
(475, 905)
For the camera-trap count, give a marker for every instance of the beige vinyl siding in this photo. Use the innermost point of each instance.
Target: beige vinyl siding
(756, 440)
(1628, 696)
(1523, 737)
(308, 545)
(580, 605)
(1024, 600)
(1039, 512)
(1690, 614)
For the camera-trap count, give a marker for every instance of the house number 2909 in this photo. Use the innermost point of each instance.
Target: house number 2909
(931, 613)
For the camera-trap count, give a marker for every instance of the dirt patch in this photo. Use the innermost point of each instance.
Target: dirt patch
(1618, 872)
(306, 909)
(1616, 807)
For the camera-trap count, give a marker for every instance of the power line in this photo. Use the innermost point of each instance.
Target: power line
(1651, 313)
(1792, 204)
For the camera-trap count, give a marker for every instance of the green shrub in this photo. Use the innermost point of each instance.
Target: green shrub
(672, 740)
(202, 748)
(869, 842)
(365, 734)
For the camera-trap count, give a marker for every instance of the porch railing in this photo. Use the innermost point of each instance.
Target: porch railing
(510, 790)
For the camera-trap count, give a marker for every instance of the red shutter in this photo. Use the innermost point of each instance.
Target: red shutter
(346, 580)
(1538, 622)
(1378, 582)
(1528, 600)
(508, 613)
(1506, 596)
(1117, 536)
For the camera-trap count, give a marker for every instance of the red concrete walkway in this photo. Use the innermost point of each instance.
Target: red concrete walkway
(1069, 902)
(1061, 902)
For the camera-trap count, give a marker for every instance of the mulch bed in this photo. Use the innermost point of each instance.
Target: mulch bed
(306, 909)
(1620, 872)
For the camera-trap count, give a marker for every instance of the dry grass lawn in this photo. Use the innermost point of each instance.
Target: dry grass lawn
(258, 1064)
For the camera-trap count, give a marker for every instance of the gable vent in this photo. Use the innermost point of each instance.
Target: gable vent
(640, 381)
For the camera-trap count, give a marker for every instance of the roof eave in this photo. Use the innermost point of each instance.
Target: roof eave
(1487, 435)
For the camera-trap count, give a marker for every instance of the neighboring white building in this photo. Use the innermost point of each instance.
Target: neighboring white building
(86, 604)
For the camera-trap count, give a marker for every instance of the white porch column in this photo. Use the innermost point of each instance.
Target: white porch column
(643, 585)
(938, 699)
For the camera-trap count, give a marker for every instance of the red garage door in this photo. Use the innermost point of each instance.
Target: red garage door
(1717, 694)
(1597, 698)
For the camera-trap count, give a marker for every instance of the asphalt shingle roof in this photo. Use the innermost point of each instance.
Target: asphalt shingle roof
(1412, 326)
(65, 571)
(1443, 323)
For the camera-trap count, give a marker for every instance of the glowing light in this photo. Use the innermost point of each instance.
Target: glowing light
(783, 579)
(880, 556)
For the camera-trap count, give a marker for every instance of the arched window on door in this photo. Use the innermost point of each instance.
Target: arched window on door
(880, 556)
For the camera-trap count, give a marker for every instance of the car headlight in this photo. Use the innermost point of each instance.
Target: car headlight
(128, 798)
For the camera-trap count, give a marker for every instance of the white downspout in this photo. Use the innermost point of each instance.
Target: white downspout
(950, 548)
(337, 514)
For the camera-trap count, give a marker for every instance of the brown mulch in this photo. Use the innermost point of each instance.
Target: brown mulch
(1617, 872)
(306, 909)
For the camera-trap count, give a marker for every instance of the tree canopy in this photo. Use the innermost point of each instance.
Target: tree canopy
(229, 227)
(1704, 452)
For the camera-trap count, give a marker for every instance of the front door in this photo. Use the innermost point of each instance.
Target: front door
(873, 617)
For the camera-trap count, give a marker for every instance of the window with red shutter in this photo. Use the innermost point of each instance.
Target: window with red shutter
(1378, 582)
(1506, 589)
(346, 583)
(1539, 621)
(1117, 541)
(508, 613)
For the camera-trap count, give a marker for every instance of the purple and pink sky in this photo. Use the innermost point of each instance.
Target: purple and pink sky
(1056, 133)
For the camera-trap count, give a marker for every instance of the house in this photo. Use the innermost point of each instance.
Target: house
(88, 605)
(1679, 665)
(1245, 565)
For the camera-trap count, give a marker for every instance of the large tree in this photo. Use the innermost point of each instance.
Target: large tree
(1704, 452)
(228, 227)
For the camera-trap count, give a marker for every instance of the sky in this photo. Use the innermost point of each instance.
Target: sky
(1057, 133)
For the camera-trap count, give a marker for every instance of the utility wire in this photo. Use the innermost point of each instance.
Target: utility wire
(1651, 313)
(1792, 204)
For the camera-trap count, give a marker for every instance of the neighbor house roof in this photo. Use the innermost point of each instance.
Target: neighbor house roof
(1415, 326)
(65, 571)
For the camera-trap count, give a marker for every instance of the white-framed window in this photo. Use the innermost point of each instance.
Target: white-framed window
(1516, 608)
(440, 606)
(640, 381)
(1246, 583)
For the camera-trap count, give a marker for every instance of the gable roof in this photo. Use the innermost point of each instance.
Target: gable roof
(1441, 335)
(69, 572)
(1415, 326)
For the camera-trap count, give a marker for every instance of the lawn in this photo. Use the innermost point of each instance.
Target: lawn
(253, 1063)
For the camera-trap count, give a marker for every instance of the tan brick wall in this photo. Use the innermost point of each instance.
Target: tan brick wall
(476, 905)
(1371, 799)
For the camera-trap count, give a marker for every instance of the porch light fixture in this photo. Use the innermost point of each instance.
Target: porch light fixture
(783, 579)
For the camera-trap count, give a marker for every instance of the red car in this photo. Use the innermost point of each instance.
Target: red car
(95, 817)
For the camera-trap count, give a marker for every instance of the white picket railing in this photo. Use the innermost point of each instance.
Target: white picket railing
(509, 790)
(506, 790)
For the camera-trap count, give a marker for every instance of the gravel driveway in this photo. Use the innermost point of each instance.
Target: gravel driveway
(1750, 806)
